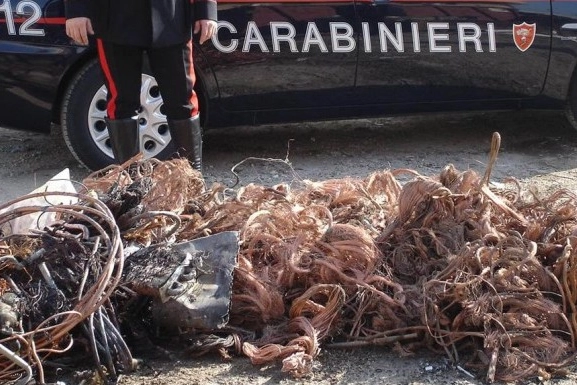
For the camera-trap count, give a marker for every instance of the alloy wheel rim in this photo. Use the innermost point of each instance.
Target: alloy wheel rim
(153, 128)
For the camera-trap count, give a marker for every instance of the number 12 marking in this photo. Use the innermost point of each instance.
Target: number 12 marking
(30, 18)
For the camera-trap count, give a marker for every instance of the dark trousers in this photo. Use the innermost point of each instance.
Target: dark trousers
(172, 67)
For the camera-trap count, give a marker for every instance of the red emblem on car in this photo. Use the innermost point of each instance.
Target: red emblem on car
(523, 35)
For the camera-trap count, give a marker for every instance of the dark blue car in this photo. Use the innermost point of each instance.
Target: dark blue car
(296, 60)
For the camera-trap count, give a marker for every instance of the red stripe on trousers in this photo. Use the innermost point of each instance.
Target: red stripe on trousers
(111, 105)
(193, 98)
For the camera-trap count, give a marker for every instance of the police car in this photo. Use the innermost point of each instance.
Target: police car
(295, 60)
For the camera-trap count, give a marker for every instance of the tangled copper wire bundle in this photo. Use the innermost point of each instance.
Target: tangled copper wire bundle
(486, 276)
(441, 262)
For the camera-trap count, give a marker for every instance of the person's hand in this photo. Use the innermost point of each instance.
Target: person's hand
(78, 29)
(206, 28)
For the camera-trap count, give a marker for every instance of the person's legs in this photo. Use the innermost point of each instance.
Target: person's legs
(122, 68)
(174, 71)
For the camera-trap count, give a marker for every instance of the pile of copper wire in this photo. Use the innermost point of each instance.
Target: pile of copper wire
(485, 275)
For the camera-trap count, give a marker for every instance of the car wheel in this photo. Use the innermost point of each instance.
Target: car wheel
(84, 127)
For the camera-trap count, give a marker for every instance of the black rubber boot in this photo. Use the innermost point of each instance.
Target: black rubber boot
(187, 137)
(124, 138)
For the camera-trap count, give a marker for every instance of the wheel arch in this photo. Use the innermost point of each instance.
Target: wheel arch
(66, 80)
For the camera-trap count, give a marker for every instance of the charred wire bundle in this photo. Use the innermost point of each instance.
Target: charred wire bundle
(56, 285)
(57, 279)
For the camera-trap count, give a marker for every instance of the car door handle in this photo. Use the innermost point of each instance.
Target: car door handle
(568, 29)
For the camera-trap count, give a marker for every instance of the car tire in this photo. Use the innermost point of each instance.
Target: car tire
(84, 128)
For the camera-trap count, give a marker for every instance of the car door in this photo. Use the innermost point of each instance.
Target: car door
(283, 54)
(452, 50)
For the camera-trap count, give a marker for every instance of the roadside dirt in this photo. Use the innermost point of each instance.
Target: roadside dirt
(538, 148)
